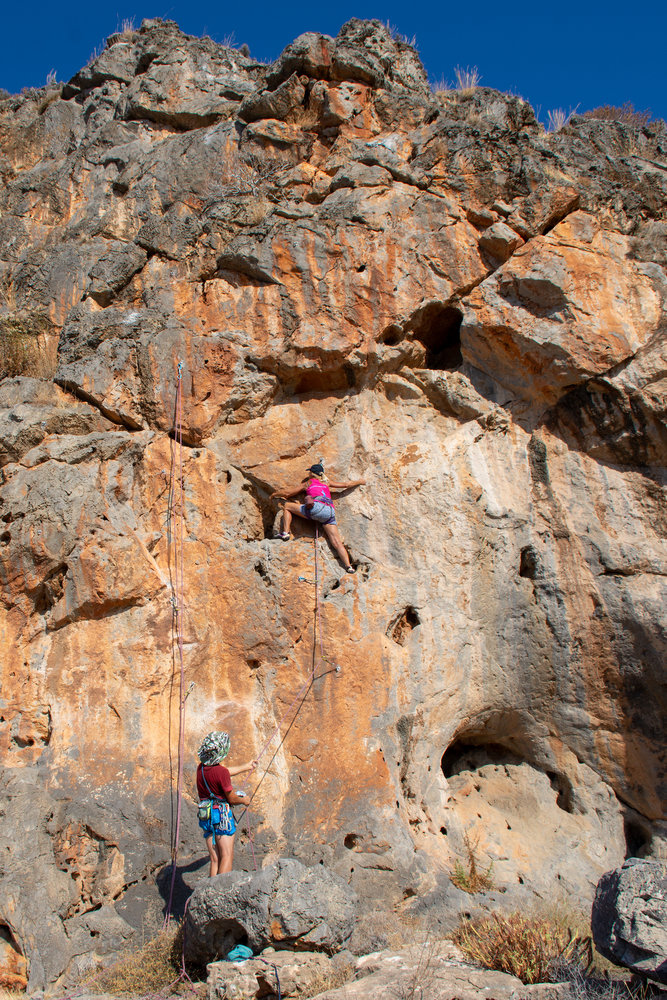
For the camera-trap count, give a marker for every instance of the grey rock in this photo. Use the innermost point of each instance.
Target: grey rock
(362, 50)
(32, 409)
(309, 54)
(359, 175)
(366, 50)
(61, 913)
(277, 103)
(117, 62)
(284, 903)
(629, 917)
(432, 970)
(114, 270)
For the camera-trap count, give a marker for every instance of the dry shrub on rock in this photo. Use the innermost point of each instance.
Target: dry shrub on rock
(336, 975)
(154, 966)
(26, 348)
(472, 876)
(625, 113)
(523, 946)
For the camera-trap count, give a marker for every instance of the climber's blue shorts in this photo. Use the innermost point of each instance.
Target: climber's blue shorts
(226, 827)
(322, 512)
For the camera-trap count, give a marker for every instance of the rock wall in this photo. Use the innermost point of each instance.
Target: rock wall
(424, 290)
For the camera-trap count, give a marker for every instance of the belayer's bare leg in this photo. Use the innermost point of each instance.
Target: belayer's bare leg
(333, 534)
(213, 857)
(226, 851)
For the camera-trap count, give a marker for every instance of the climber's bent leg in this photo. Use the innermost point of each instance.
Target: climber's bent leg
(289, 509)
(333, 534)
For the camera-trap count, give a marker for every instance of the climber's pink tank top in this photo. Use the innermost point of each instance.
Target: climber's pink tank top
(318, 490)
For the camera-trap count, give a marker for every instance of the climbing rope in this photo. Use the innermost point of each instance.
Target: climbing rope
(177, 586)
(175, 542)
(302, 693)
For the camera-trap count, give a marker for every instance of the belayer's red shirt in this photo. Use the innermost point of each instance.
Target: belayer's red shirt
(218, 778)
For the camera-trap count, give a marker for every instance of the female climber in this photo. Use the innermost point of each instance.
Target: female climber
(216, 795)
(317, 506)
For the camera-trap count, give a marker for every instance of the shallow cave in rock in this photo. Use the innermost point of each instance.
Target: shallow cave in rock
(638, 837)
(464, 756)
(315, 381)
(438, 328)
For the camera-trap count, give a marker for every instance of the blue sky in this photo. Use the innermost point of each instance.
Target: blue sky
(567, 55)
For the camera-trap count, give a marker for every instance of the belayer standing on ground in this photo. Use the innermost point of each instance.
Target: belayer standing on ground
(216, 796)
(317, 506)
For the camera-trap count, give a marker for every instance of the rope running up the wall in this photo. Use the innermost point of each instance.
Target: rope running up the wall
(178, 613)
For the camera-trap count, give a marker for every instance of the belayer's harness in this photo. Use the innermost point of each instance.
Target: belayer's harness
(214, 811)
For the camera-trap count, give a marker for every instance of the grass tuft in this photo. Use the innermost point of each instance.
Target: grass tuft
(468, 78)
(558, 117)
(472, 876)
(336, 975)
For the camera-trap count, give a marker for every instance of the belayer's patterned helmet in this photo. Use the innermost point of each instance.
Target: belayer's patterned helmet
(214, 747)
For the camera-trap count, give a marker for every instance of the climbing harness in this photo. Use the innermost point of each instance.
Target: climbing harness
(215, 814)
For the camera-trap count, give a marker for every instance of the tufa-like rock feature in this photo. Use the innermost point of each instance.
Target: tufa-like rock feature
(629, 918)
(284, 904)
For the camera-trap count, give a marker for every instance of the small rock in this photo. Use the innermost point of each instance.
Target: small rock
(274, 104)
(481, 218)
(502, 208)
(500, 241)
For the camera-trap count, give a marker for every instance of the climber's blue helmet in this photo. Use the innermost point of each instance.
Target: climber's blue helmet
(317, 469)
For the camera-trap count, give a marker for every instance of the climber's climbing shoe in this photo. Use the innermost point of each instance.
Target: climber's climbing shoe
(350, 569)
(284, 536)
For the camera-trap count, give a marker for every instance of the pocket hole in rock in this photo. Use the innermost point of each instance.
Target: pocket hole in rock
(438, 328)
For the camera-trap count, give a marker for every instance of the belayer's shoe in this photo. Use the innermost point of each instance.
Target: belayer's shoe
(350, 569)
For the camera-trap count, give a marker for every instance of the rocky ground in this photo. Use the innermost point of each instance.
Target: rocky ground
(426, 291)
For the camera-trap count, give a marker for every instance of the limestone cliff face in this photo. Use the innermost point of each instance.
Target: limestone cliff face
(427, 292)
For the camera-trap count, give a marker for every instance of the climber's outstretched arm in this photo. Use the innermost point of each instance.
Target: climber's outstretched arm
(240, 768)
(289, 493)
(347, 486)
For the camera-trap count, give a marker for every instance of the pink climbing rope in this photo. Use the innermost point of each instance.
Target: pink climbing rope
(317, 639)
(179, 612)
(317, 630)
